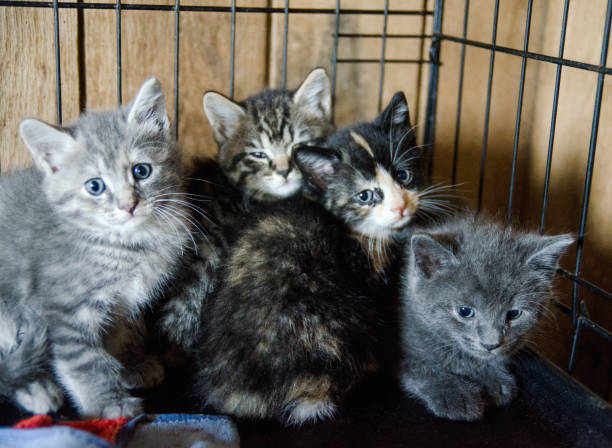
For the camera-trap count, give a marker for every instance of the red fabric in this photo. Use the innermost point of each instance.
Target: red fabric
(106, 429)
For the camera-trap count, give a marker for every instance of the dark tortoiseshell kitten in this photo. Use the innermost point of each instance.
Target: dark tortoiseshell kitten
(253, 168)
(294, 321)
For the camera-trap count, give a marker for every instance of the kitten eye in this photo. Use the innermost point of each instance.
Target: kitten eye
(95, 186)
(513, 314)
(259, 155)
(142, 170)
(365, 196)
(403, 176)
(465, 312)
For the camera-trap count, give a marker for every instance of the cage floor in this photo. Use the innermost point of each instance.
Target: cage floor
(552, 410)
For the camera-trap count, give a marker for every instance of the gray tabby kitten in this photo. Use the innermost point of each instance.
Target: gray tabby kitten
(87, 238)
(294, 322)
(472, 292)
(256, 138)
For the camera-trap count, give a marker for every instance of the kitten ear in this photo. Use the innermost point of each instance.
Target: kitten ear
(547, 251)
(318, 165)
(314, 94)
(430, 257)
(396, 117)
(223, 115)
(149, 106)
(48, 144)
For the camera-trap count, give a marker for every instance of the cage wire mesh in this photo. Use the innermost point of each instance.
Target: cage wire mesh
(432, 38)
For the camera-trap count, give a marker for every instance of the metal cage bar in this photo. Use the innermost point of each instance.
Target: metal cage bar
(382, 57)
(199, 8)
(285, 42)
(434, 72)
(460, 95)
(118, 32)
(334, 73)
(58, 62)
(176, 66)
(553, 120)
(232, 49)
(485, 136)
(519, 111)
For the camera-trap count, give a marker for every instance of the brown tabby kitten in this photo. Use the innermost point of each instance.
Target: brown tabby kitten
(294, 321)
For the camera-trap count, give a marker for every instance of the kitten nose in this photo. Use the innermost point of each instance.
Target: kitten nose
(283, 173)
(491, 347)
(130, 207)
(401, 210)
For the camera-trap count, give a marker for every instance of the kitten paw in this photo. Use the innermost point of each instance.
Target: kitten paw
(148, 373)
(503, 391)
(40, 397)
(464, 403)
(127, 407)
(303, 411)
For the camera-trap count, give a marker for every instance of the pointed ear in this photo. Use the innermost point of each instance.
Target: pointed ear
(547, 250)
(149, 106)
(429, 256)
(396, 117)
(314, 94)
(223, 115)
(318, 165)
(48, 144)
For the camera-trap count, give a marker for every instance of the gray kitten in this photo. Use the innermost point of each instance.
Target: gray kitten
(87, 238)
(256, 138)
(472, 291)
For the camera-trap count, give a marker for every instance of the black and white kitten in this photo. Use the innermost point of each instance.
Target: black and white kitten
(86, 239)
(253, 168)
(472, 292)
(293, 323)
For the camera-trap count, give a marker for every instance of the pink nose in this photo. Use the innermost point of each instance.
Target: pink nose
(130, 208)
(401, 210)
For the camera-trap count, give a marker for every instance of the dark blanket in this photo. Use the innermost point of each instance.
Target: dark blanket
(552, 410)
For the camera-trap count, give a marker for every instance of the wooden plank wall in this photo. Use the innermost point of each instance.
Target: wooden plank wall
(88, 63)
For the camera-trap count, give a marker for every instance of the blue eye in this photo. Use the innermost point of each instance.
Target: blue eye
(513, 314)
(365, 196)
(141, 170)
(95, 186)
(403, 176)
(465, 312)
(259, 155)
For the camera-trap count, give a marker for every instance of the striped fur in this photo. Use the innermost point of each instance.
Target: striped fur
(88, 264)
(256, 137)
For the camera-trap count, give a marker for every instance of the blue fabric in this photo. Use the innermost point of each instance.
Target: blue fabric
(53, 437)
(176, 430)
(179, 430)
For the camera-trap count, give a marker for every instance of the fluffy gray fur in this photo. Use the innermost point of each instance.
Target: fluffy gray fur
(86, 264)
(472, 291)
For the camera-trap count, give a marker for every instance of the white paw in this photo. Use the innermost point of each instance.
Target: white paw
(127, 407)
(310, 411)
(40, 397)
